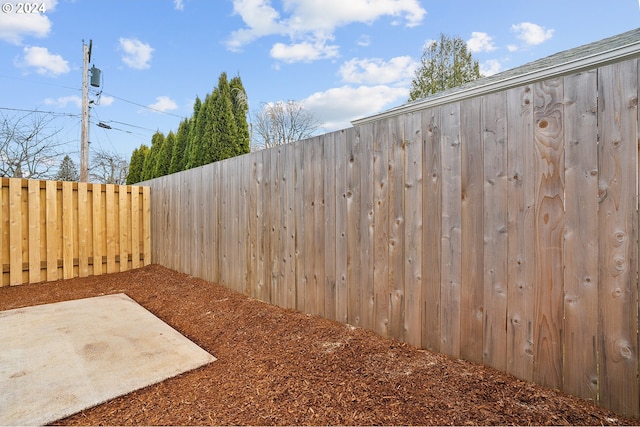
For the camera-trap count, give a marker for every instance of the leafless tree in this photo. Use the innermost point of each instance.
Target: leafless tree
(281, 123)
(29, 147)
(108, 168)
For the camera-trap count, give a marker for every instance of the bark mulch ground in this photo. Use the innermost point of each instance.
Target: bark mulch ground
(282, 367)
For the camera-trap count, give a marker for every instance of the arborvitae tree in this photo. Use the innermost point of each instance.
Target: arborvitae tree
(197, 134)
(225, 130)
(193, 139)
(136, 164)
(163, 161)
(68, 170)
(445, 64)
(206, 131)
(178, 160)
(240, 107)
(218, 129)
(150, 161)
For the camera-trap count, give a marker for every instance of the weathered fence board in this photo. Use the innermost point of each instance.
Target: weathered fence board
(501, 228)
(472, 217)
(618, 232)
(56, 230)
(581, 237)
(521, 233)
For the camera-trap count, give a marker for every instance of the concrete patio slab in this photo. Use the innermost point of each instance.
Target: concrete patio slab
(58, 359)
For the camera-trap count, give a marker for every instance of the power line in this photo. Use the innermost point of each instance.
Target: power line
(144, 106)
(53, 113)
(40, 82)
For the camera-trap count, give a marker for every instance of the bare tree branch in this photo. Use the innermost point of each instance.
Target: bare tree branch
(29, 147)
(282, 123)
(108, 168)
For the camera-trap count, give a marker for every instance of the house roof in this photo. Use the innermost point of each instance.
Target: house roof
(606, 51)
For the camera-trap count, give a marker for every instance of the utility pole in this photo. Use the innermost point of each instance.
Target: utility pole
(84, 133)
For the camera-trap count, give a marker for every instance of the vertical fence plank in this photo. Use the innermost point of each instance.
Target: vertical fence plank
(366, 224)
(146, 224)
(521, 256)
(4, 228)
(123, 226)
(67, 229)
(111, 227)
(52, 230)
(342, 293)
(243, 244)
(83, 230)
(267, 233)
(381, 292)
(618, 156)
(98, 228)
(135, 227)
(287, 199)
(396, 227)
(176, 205)
(581, 236)
(207, 203)
(34, 233)
(432, 228)
(451, 232)
(255, 223)
(472, 284)
(300, 206)
(214, 204)
(495, 231)
(413, 274)
(354, 238)
(549, 222)
(197, 256)
(311, 254)
(15, 231)
(329, 190)
(275, 229)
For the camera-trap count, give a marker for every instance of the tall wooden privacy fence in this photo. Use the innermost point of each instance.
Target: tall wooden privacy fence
(502, 229)
(58, 230)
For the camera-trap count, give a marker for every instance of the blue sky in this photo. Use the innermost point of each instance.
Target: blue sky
(343, 59)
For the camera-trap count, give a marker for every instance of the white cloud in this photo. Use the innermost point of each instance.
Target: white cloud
(261, 20)
(137, 54)
(45, 63)
(377, 71)
(105, 100)
(480, 42)
(490, 67)
(164, 103)
(16, 26)
(364, 40)
(337, 107)
(313, 21)
(303, 52)
(532, 34)
(64, 101)
(327, 15)
(178, 4)
(74, 100)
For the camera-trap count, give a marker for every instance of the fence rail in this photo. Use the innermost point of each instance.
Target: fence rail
(502, 229)
(52, 230)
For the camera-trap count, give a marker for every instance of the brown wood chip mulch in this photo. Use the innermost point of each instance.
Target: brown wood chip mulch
(282, 367)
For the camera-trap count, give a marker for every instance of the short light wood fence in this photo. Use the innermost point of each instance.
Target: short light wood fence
(53, 230)
(502, 229)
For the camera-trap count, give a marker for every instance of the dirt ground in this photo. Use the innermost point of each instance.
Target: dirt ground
(282, 367)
